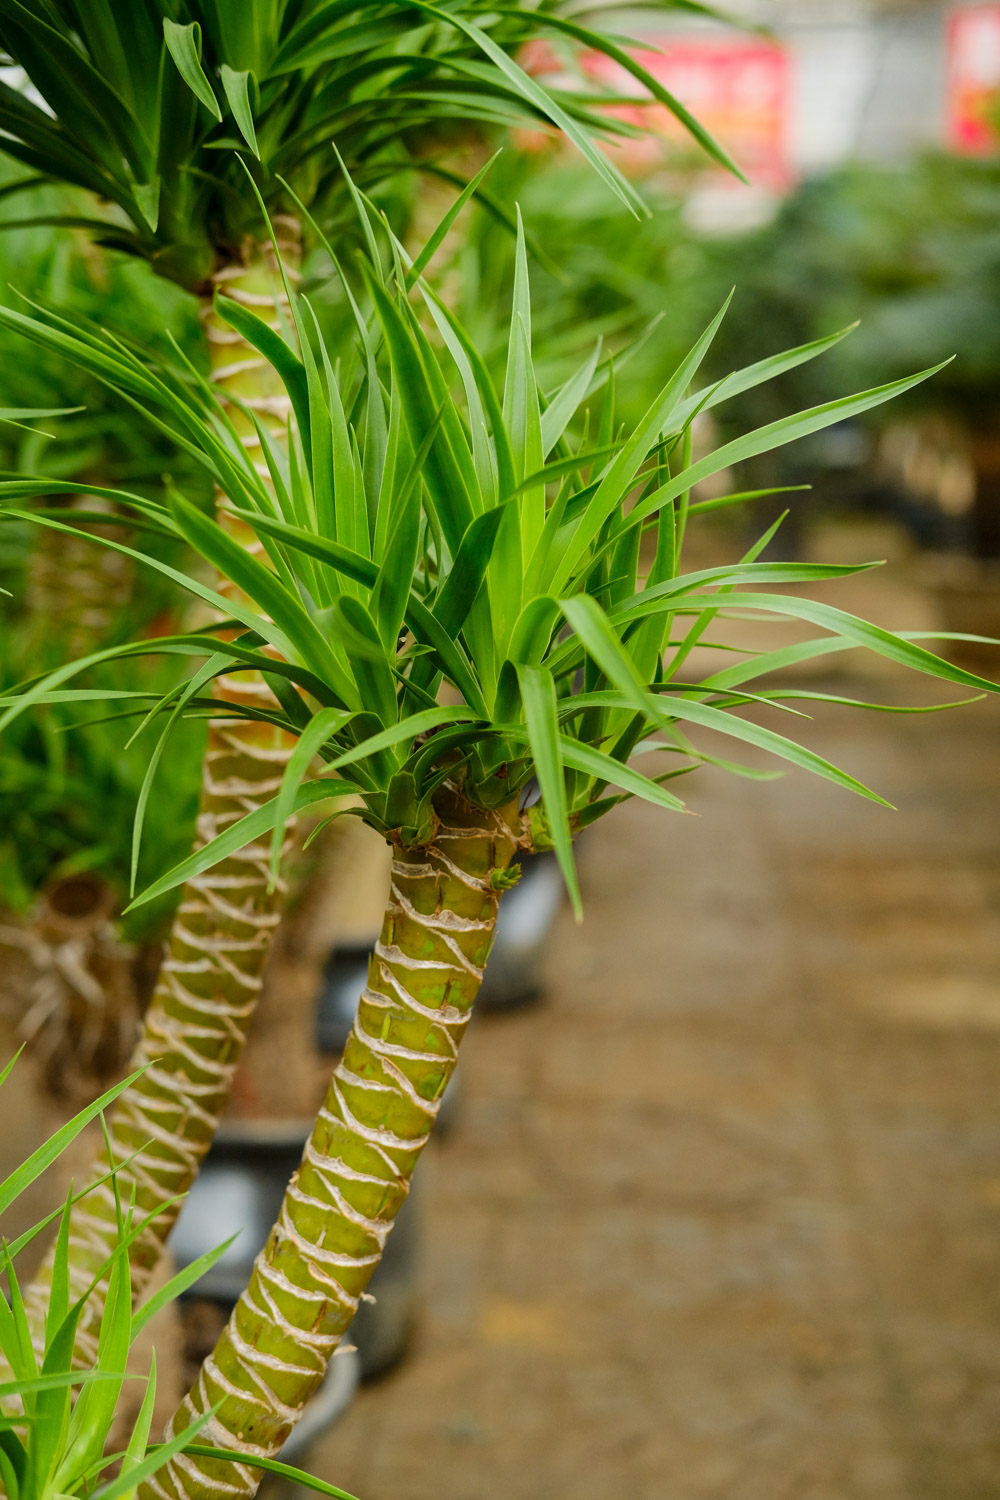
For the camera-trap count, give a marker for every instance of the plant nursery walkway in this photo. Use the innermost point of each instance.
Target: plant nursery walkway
(722, 1217)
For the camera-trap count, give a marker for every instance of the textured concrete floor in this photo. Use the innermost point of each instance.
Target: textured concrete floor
(722, 1218)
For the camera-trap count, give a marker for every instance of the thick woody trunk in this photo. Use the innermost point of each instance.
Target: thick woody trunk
(355, 1173)
(196, 1025)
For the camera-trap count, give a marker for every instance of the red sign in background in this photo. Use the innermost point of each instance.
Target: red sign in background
(738, 89)
(973, 78)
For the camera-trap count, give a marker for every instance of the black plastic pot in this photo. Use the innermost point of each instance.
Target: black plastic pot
(514, 973)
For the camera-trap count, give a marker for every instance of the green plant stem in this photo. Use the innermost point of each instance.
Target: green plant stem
(424, 975)
(196, 1026)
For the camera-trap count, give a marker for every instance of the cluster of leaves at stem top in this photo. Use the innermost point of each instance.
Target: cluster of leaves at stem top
(467, 583)
(55, 1420)
(142, 103)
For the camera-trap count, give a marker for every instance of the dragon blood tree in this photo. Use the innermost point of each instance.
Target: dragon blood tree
(141, 103)
(460, 619)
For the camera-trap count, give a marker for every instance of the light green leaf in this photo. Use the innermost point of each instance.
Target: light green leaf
(178, 1284)
(271, 1466)
(49, 1150)
(139, 1437)
(147, 197)
(618, 477)
(129, 1480)
(323, 727)
(437, 237)
(238, 88)
(594, 762)
(847, 627)
(237, 836)
(533, 93)
(184, 46)
(774, 435)
(540, 711)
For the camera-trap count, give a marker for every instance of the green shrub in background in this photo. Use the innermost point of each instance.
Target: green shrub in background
(69, 786)
(66, 785)
(914, 253)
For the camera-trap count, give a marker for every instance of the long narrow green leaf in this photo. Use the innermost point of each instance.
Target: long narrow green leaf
(278, 353)
(618, 478)
(775, 435)
(320, 729)
(189, 691)
(139, 1437)
(55, 1381)
(847, 627)
(8, 1068)
(539, 697)
(260, 584)
(238, 87)
(418, 617)
(544, 102)
(467, 573)
(602, 42)
(226, 607)
(237, 836)
(24, 1175)
(177, 1285)
(436, 238)
(271, 1466)
(757, 374)
(129, 1480)
(409, 729)
(184, 46)
(592, 626)
(594, 762)
(23, 1240)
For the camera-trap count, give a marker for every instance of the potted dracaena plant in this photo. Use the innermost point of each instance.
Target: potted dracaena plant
(142, 104)
(457, 608)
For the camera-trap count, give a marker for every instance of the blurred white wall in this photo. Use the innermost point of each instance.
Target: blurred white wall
(865, 84)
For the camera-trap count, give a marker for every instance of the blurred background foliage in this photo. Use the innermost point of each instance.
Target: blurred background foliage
(69, 787)
(911, 254)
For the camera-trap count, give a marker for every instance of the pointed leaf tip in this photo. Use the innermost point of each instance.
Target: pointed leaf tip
(184, 45)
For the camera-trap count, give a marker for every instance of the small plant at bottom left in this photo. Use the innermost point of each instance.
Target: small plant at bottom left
(57, 1421)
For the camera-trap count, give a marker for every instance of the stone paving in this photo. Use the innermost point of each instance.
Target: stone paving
(721, 1219)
